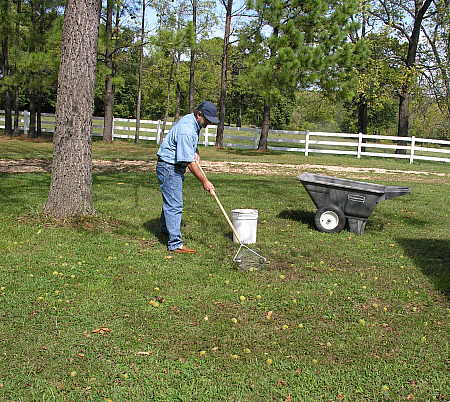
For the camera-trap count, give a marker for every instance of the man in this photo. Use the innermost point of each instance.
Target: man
(177, 152)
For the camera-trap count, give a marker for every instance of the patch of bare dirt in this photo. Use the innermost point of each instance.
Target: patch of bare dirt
(248, 168)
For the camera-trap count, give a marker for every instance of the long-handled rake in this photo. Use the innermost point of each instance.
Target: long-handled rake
(245, 257)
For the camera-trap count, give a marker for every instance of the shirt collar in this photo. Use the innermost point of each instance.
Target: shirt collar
(196, 122)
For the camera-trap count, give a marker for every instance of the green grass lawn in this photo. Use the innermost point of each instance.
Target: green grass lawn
(331, 317)
(353, 317)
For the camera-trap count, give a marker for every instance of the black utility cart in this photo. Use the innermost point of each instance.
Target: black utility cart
(341, 200)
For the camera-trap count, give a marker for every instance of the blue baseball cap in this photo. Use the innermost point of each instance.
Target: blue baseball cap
(209, 110)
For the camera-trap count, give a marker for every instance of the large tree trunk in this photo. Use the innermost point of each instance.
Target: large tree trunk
(403, 120)
(363, 119)
(70, 189)
(192, 61)
(109, 88)
(223, 76)
(262, 146)
(403, 115)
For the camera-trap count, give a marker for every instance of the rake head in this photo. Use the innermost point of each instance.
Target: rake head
(248, 259)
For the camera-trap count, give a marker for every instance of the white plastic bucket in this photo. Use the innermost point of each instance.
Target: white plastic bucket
(245, 221)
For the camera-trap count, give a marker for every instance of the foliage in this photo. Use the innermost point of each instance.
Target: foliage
(316, 112)
(35, 36)
(309, 52)
(297, 44)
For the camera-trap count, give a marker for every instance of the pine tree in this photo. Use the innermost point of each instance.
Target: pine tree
(300, 43)
(70, 190)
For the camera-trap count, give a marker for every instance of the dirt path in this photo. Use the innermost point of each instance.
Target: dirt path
(249, 168)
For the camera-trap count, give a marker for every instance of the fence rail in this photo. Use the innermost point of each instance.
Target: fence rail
(306, 142)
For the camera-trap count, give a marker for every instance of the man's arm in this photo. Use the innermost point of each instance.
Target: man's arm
(207, 185)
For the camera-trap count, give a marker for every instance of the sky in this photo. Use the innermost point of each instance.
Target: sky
(218, 30)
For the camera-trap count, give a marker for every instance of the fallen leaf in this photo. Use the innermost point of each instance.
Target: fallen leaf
(288, 398)
(101, 331)
(143, 353)
(168, 257)
(410, 397)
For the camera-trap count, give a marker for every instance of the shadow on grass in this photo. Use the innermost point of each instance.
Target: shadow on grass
(152, 226)
(432, 256)
(16, 190)
(306, 217)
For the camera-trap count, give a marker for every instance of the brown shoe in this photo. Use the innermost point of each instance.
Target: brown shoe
(184, 250)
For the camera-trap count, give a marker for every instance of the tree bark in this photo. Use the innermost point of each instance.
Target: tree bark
(223, 76)
(109, 89)
(70, 189)
(192, 61)
(403, 117)
(363, 120)
(262, 146)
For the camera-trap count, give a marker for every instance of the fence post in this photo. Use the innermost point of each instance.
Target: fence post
(360, 135)
(206, 134)
(256, 139)
(26, 121)
(158, 133)
(307, 144)
(113, 126)
(411, 152)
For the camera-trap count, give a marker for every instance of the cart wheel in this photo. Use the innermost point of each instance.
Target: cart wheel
(329, 220)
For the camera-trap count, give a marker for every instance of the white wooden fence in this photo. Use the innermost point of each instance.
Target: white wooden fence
(306, 142)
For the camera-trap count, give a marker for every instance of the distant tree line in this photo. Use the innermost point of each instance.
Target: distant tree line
(373, 66)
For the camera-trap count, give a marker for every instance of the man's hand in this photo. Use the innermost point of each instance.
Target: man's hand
(197, 157)
(194, 167)
(208, 186)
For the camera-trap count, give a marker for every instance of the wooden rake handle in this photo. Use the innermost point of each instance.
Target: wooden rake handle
(213, 193)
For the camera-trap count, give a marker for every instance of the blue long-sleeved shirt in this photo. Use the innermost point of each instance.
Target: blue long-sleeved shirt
(180, 143)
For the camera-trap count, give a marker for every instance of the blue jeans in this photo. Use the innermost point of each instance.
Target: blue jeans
(171, 179)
